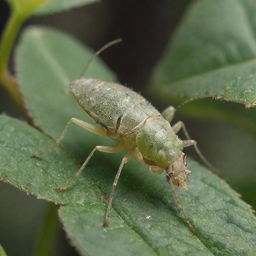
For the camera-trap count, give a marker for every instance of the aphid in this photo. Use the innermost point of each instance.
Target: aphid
(131, 121)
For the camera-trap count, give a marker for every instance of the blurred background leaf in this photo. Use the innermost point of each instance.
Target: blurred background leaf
(212, 54)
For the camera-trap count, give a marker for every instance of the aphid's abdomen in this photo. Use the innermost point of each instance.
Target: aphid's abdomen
(112, 104)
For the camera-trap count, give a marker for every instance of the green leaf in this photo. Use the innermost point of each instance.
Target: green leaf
(220, 111)
(145, 220)
(2, 252)
(55, 71)
(41, 177)
(60, 5)
(212, 54)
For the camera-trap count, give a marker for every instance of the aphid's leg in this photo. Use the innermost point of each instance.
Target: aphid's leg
(105, 149)
(188, 143)
(152, 168)
(155, 169)
(106, 46)
(180, 125)
(158, 170)
(110, 199)
(168, 113)
(86, 126)
(181, 210)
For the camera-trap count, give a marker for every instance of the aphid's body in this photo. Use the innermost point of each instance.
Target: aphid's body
(134, 123)
(131, 121)
(107, 102)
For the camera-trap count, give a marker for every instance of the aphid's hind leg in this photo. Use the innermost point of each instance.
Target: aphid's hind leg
(189, 142)
(168, 113)
(84, 125)
(105, 149)
(110, 199)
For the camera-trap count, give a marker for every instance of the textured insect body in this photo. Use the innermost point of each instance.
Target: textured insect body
(111, 104)
(135, 124)
(158, 143)
(131, 121)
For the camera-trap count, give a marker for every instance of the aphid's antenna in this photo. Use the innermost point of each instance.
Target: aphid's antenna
(102, 49)
(199, 153)
(181, 210)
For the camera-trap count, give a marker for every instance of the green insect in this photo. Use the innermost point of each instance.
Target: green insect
(135, 125)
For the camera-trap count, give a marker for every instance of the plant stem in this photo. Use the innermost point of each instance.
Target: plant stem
(2, 251)
(8, 38)
(48, 232)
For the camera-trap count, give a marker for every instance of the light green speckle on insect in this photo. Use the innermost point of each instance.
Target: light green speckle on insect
(135, 125)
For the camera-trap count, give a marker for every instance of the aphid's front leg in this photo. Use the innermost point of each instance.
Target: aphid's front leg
(180, 125)
(110, 200)
(189, 142)
(84, 125)
(168, 113)
(105, 149)
(159, 170)
(181, 210)
(152, 168)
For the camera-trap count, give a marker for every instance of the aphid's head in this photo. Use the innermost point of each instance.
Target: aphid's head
(177, 172)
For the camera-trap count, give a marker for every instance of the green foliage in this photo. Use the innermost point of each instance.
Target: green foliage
(20, 11)
(144, 220)
(24, 8)
(54, 71)
(27, 7)
(144, 209)
(60, 5)
(209, 56)
(212, 54)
